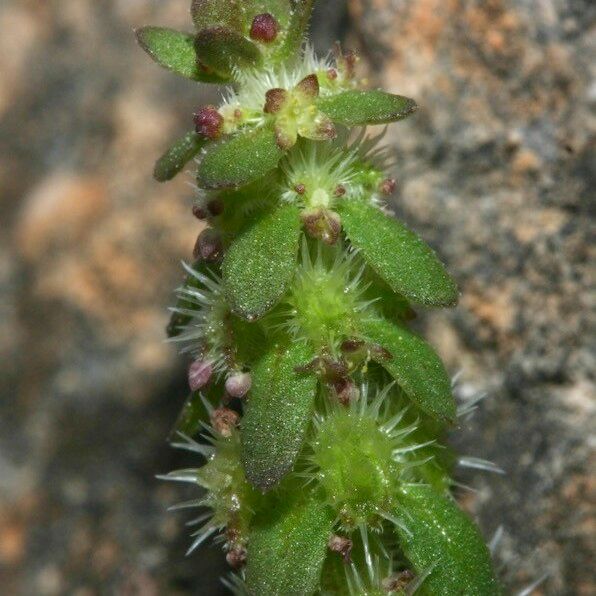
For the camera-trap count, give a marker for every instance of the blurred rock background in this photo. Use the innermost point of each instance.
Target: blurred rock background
(496, 170)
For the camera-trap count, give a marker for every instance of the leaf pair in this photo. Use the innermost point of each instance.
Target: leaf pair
(240, 159)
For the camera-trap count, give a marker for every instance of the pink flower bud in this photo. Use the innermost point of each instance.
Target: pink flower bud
(209, 122)
(275, 100)
(341, 545)
(199, 374)
(388, 186)
(200, 211)
(208, 246)
(264, 28)
(236, 557)
(223, 421)
(238, 385)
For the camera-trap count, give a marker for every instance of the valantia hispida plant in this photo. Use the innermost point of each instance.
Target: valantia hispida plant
(321, 417)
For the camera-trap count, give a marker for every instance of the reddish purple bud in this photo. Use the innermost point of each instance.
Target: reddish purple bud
(208, 246)
(352, 345)
(264, 28)
(341, 545)
(275, 100)
(340, 190)
(209, 122)
(199, 374)
(309, 86)
(397, 582)
(224, 421)
(388, 186)
(331, 74)
(300, 189)
(346, 391)
(238, 385)
(322, 224)
(215, 207)
(200, 211)
(236, 557)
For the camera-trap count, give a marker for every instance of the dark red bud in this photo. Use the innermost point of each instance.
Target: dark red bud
(223, 421)
(236, 557)
(352, 345)
(275, 100)
(346, 391)
(309, 86)
(388, 186)
(300, 189)
(397, 582)
(264, 28)
(208, 246)
(323, 224)
(341, 545)
(200, 211)
(199, 374)
(238, 385)
(340, 190)
(215, 207)
(209, 122)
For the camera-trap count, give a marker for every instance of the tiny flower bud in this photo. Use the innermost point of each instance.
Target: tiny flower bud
(223, 421)
(340, 190)
(208, 246)
(309, 86)
(331, 74)
(236, 557)
(199, 374)
(200, 211)
(300, 189)
(215, 207)
(397, 582)
(346, 391)
(209, 122)
(323, 224)
(264, 28)
(380, 353)
(352, 345)
(388, 186)
(275, 100)
(341, 545)
(238, 385)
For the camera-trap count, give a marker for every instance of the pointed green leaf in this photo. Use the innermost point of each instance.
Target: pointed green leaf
(238, 160)
(260, 264)
(438, 537)
(297, 28)
(358, 108)
(212, 13)
(279, 410)
(225, 50)
(176, 52)
(287, 546)
(178, 155)
(414, 365)
(400, 257)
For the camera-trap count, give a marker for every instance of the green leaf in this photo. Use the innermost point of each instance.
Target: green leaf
(414, 365)
(178, 155)
(176, 52)
(279, 410)
(225, 50)
(400, 257)
(297, 28)
(260, 264)
(358, 108)
(287, 546)
(437, 536)
(239, 159)
(211, 13)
